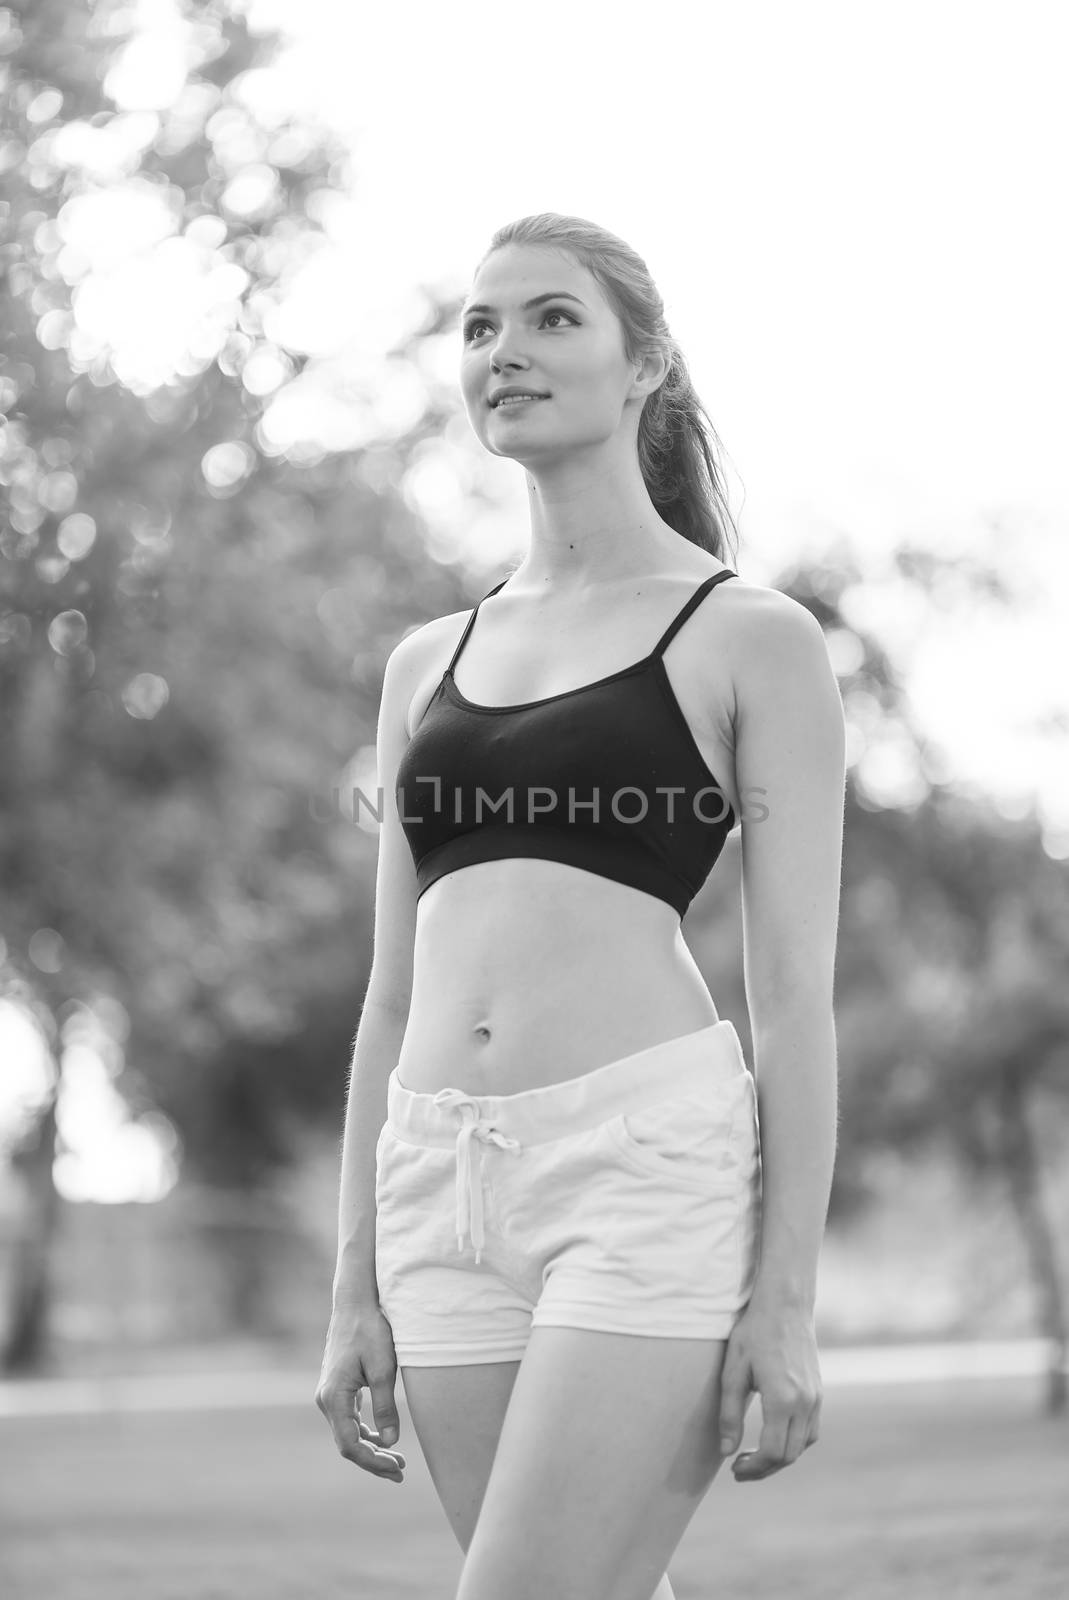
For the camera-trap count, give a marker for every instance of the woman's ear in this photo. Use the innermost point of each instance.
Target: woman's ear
(651, 369)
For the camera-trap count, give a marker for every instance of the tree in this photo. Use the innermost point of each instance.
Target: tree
(192, 632)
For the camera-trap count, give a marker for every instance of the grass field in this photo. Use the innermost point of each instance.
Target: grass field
(935, 1491)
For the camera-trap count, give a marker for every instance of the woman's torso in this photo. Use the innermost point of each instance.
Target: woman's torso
(528, 972)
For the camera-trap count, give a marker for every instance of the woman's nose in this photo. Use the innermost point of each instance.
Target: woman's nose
(506, 353)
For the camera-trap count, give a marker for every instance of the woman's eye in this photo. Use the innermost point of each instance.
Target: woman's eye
(473, 326)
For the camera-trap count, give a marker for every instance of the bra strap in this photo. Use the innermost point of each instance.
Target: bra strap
(471, 624)
(695, 600)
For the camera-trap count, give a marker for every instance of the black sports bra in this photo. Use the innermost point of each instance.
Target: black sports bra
(606, 778)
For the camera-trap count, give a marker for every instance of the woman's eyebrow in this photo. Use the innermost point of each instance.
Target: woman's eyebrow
(528, 305)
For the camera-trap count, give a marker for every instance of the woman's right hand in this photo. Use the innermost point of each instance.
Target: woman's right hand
(360, 1355)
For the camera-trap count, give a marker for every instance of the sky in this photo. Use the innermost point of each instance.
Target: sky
(851, 211)
(855, 215)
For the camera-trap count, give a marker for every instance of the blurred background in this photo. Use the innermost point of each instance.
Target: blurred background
(236, 469)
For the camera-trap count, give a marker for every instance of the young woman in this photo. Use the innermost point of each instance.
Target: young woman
(561, 1215)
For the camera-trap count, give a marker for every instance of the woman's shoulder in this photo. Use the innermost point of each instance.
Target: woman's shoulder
(421, 638)
(757, 611)
(750, 637)
(768, 645)
(424, 650)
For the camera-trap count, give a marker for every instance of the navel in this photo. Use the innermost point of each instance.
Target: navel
(483, 1032)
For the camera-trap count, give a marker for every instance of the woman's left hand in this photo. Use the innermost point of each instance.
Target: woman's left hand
(773, 1350)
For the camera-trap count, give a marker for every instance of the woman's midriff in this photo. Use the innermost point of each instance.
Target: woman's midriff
(526, 973)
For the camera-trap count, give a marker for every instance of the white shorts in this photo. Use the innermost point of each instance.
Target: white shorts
(627, 1200)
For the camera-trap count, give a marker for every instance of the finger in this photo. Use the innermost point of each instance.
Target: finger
(375, 1439)
(385, 1411)
(364, 1454)
(734, 1392)
(363, 1451)
(813, 1426)
(329, 1396)
(790, 1433)
(349, 1433)
(768, 1457)
(340, 1406)
(344, 1422)
(797, 1437)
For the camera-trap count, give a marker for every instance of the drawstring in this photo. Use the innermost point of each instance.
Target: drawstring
(469, 1171)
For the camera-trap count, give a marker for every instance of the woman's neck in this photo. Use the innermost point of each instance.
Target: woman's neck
(581, 541)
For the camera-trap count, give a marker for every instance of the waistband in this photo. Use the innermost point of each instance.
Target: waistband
(695, 1064)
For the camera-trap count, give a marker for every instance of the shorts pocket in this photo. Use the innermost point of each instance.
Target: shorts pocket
(401, 1169)
(690, 1140)
(411, 1177)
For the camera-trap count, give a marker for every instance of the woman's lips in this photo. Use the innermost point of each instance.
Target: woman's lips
(517, 404)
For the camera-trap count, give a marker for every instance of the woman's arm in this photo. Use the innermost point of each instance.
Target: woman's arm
(791, 751)
(359, 1349)
(379, 1037)
(791, 746)
(384, 1015)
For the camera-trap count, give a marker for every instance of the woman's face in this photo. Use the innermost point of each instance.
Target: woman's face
(546, 327)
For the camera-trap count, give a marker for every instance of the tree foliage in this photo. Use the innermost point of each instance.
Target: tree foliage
(193, 630)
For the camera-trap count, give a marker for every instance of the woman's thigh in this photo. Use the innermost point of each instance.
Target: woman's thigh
(609, 1443)
(458, 1413)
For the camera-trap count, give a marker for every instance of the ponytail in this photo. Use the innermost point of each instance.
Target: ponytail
(677, 451)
